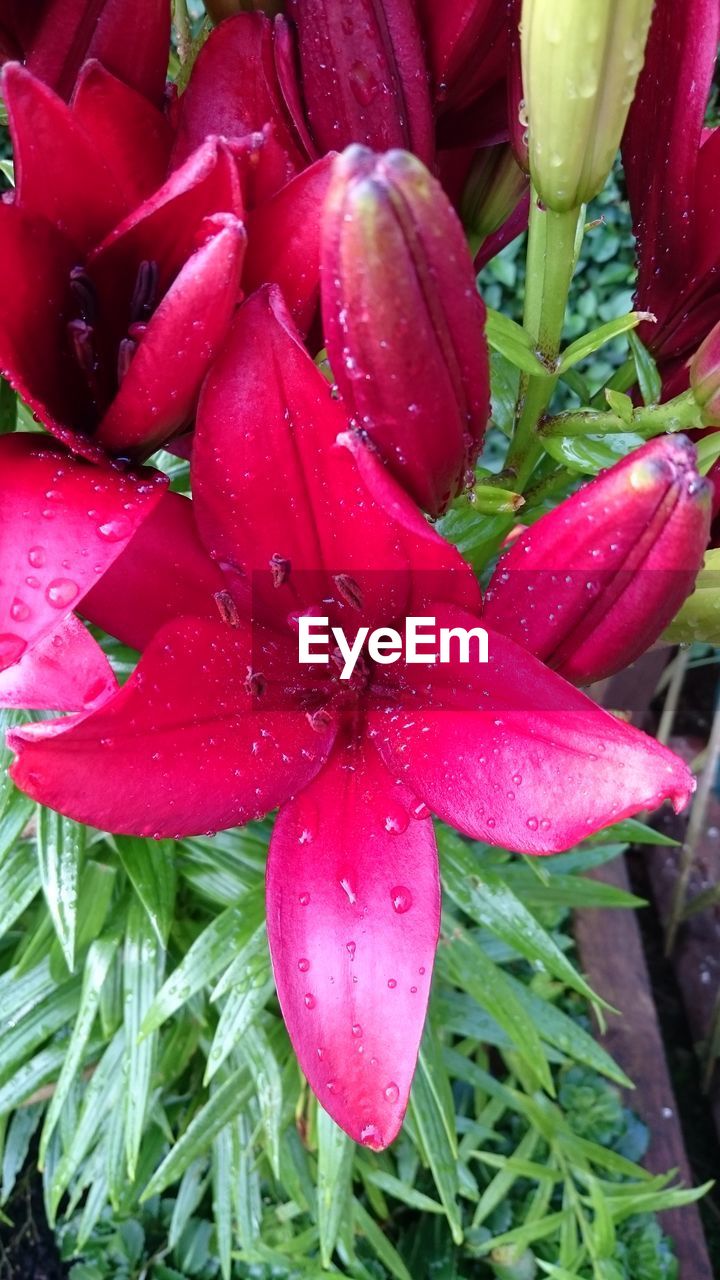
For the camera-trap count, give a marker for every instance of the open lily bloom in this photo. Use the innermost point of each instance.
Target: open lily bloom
(110, 263)
(221, 723)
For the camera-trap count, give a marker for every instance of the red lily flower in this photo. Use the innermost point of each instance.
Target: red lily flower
(55, 37)
(99, 286)
(62, 525)
(468, 51)
(594, 583)
(672, 166)
(220, 723)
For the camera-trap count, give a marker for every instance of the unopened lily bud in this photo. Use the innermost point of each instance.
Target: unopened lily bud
(494, 188)
(595, 582)
(363, 74)
(705, 377)
(699, 619)
(404, 324)
(580, 66)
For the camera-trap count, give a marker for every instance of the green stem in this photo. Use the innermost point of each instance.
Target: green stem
(694, 833)
(681, 414)
(553, 246)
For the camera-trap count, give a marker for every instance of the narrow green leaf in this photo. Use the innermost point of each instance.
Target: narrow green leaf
(429, 1116)
(150, 865)
(511, 340)
(498, 1190)
(190, 1193)
(387, 1253)
(103, 1093)
(207, 956)
(60, 848)
(225, 1103)
(241, 1007)
(334, 1189)
(401, 1191)
(649, 379)
(484, 896)
(19, 874)
(264, 1068)
(17, 1144)
(621, 404)
(467, 965)
(566, 1034)
(143, 965)
(246, 1184)
(97, 964)
(222, 1180)
(589, 343)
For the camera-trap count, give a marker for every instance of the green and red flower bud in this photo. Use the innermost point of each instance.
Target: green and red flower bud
(705, 377)
(495, 187)
(404, 324)
(580, 66)
(594, 583)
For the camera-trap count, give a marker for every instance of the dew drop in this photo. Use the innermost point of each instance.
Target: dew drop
(309, 1000)
(396, 819)
(532, 824)
(61, 592)
(356, 1030)
(413, 991)
(392, 983)
(350, 947)
(303, 964)
(36, 556)
(304, 899)
(392, 1092)
(401, 899)
(115, 530)
(11, 648)
(420, 811)
(19, 611)
(369, 1134)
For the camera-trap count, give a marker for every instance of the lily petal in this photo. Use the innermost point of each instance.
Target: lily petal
(185, 746)
(130, 37)
(162, 573)
(66, 671)
(353, 913)
(234, 91)
(267, 423)
(62, 523)
(509, 753)
(60, 173)
(159, 391)
(132, 135)
(284, 242)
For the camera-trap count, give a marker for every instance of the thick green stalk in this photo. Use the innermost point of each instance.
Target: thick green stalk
(553, 246)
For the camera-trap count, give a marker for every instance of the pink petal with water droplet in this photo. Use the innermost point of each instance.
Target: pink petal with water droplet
(66, 671)
(333, 879)
(53, 511)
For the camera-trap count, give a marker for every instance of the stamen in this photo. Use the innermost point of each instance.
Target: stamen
(126, 351)
(227, 608)
(349, 590)
(81, 336)
(84, 295)
(280, 569)
(144, 299)
(255, 683)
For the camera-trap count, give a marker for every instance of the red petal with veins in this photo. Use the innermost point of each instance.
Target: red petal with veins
(163, 572)
(132, 136)
(60, 172)
(66, 671)
(284, 242)
(353, 914)
(234, 91)
(509, 753)
(62, 523)
(185, 746)
(267, 423)
(158, 394)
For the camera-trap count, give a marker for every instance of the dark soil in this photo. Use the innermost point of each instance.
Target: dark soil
(27, 1248)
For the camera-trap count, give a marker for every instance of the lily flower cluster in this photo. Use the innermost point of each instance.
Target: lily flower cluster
(172, 266)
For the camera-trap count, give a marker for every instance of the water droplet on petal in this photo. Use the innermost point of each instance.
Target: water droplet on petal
(350, 947)
(392, 1092)
(11, 648)
(115, 530)
(19, 611)
(357, 1030)
(36, 556)
(304, 899)
(309, 1000)
(532, 824)
(369, 1134)
(401, 899)
(61, 592)
(303, 964)
(392, 983)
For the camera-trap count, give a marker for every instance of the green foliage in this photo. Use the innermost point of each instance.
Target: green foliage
(146, 1052)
